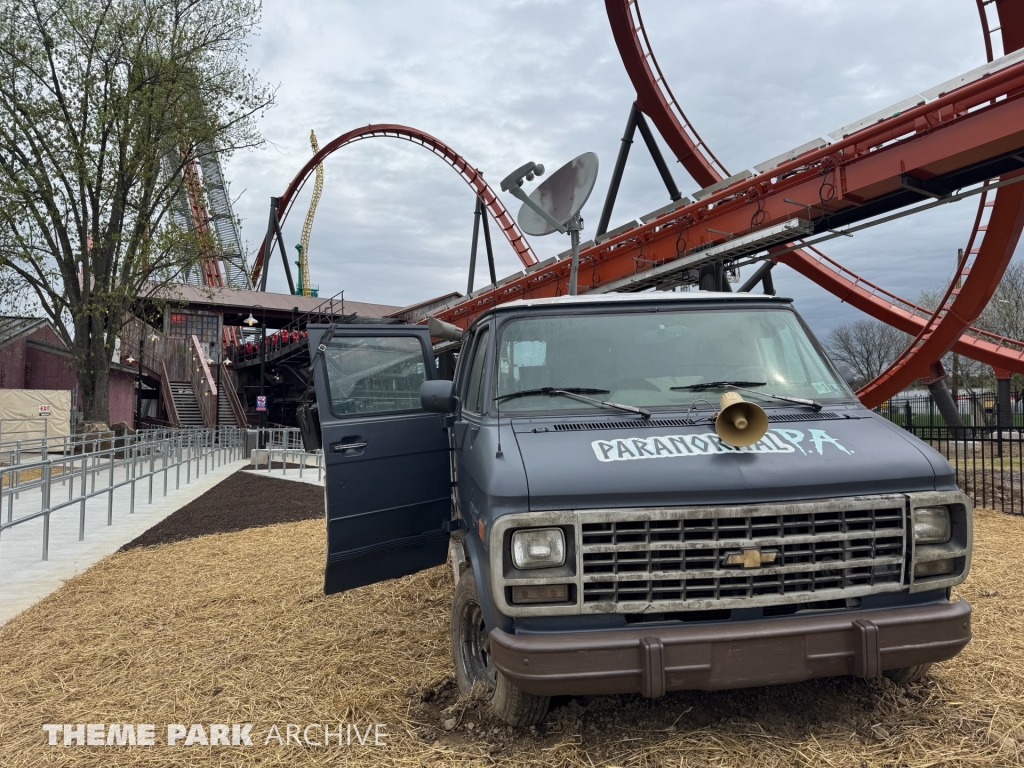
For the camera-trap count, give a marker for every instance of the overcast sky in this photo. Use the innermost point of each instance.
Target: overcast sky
(507, 81)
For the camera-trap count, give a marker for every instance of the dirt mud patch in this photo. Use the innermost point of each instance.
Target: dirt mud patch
(241, 501)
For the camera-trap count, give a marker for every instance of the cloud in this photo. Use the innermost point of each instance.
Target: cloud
(508, 81)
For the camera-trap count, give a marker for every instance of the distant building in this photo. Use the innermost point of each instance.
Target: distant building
(186, 323)
(32, 356)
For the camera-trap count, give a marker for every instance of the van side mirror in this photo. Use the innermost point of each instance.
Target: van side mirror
(438, 396)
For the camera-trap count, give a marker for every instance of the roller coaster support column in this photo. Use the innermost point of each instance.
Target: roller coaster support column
(274, 230)
(487, 244)
(763, 275)
(620, 166)
(943, 399)
(268, 242)
(477, 213)
(712, 277)
(659, 160)
(636, 120)
(478, 216)
(1004, 411)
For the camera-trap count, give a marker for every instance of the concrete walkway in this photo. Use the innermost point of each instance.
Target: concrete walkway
(304, 463)
(25, 578)
(309, 475)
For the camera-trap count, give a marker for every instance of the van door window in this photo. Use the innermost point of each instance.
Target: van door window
(475, 387)
(461, 372)
(375, 374)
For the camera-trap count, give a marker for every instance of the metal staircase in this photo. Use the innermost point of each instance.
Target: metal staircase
(225, 416)
(185, 402)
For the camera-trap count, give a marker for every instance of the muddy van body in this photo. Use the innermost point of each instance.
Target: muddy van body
(603, 535)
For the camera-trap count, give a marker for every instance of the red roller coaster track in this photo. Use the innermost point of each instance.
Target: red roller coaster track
(956, 139)
(935, 332)
(959, 138)
(655, 98)
(971, 133)
(470, 175)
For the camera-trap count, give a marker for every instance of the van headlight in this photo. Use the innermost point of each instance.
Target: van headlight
(538, 548)
(931, 525)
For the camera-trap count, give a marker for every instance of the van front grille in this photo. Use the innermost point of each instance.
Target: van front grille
(643, 562)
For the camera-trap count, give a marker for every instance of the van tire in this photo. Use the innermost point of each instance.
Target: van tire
(516, 707)
(474, 672)
(904, 675)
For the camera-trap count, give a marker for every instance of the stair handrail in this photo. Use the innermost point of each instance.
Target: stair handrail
(236, 405)
(203, 385)
(168, 396)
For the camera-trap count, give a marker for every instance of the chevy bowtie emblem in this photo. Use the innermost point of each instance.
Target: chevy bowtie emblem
(750, 558)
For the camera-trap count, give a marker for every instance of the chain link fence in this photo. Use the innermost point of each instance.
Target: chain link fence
(976, 409)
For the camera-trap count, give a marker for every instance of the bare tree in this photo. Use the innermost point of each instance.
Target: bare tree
(1004, 315)
(867, 346)
(102, 104)
(1005, 312)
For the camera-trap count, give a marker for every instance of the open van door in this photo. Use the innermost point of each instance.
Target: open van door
(388, 478)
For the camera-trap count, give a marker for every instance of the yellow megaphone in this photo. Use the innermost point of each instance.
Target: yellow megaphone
(740, 423)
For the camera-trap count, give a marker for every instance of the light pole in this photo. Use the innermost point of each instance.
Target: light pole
(251, 321)
(131, 361)
(138, 383)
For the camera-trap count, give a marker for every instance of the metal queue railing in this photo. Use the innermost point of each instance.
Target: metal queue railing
(286, 443)
(87, 468)
(23, 449)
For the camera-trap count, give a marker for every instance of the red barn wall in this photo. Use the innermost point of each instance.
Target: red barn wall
(121, 397)
(45, 369)
(47, 336)
(29, 366)
(12, 365)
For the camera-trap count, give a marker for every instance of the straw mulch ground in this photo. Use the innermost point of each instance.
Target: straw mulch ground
(233, 628)
(240, 501)
(27, 476)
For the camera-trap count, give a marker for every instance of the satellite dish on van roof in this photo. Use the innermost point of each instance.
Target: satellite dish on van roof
(555, 205)
(561, 196)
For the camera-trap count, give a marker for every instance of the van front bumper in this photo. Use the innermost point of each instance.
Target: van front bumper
(742, 654)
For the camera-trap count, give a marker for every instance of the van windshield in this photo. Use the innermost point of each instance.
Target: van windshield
(642, 359)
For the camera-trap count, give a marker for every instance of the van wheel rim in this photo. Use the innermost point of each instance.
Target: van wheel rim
(476, 661)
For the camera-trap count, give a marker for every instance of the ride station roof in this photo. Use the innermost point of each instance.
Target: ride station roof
(278, 308)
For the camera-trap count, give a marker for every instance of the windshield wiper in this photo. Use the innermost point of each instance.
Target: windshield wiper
(577, 393)
(549, 390)
(744, 385)
(719, 385)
